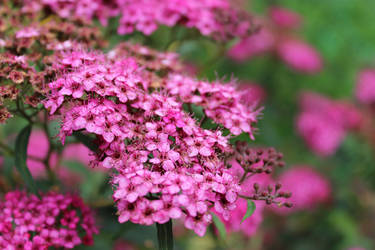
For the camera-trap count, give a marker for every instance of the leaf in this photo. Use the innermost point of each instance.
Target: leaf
(250, 210)
(20, 158)
(165, 235)
(86, 140)
(220, 226)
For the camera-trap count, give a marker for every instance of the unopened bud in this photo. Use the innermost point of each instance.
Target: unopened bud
(256, 187)
(288, 204)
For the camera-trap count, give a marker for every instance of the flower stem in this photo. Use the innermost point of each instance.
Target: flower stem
(165, 235)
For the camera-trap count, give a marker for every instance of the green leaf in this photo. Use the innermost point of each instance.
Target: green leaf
(220, 226)
(86, 140)
(250, 210)
(165, 235)
(20, 158)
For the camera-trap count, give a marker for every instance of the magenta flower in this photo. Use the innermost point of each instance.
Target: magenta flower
(52, 221)
(299, 56)
(323, 123)
(365, 90)
(171, 168)
(284, 18)
(309, 189)
(261, 42)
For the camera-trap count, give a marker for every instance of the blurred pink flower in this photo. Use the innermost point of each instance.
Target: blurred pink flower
(284, 18)
(37, 150)
(365, 91)
(300, 56)
(78, 152)
(309, 188)
(256, 44)
(320, 134)
(252, 93)
(323, 123)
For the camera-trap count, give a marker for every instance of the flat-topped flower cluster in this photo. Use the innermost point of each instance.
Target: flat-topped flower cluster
(215, 18)
(166, 165)
(54, 220)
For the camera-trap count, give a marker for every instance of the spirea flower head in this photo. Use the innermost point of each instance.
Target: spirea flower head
(214, 18)
(365, 90)
(54, 220)
(168, 166)
(309, 188)
(323, 123)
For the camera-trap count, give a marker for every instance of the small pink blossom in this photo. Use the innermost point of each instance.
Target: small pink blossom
(324, 123)
(299, 56)
(365, 90)
(284, 18)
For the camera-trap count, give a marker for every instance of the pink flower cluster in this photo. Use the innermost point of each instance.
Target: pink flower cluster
(77, 9)
(323, 123)
(214, 18)
(167, 166)
(54, 220)
(275, 35)
(221, 103)
(365, 91)
(309, 189)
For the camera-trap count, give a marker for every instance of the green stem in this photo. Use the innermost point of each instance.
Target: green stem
(165, 235)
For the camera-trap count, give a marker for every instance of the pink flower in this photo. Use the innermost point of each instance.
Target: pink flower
(256, 44)
(300, 56)
(37, 150)
(323, 123)
(252, 93)
(322, 135)
(78, 152)
(27, 32)
(309, 189)
(25, 215)
(167, 166)
(365, 91)
(284, 17)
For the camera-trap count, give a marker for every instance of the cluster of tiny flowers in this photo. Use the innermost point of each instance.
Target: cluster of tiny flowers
(221, 103)
(323, 123)
(214, 18)
(28, 53)
(276, 36)
(54, 220)
(153, 60)
(166, 164)
(309, 189)
(74, 9)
